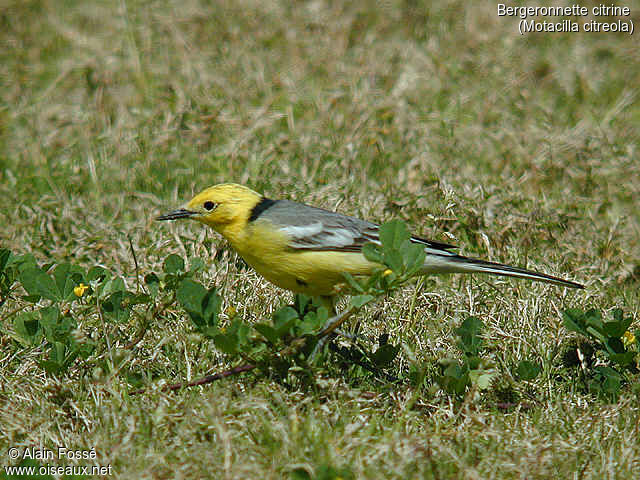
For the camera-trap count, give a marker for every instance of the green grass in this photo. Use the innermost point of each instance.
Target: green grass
(523, 149)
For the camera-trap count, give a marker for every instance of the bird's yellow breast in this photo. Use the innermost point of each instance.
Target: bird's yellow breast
(304, 271)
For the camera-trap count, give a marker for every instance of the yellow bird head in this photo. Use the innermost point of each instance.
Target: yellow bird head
(217, 206)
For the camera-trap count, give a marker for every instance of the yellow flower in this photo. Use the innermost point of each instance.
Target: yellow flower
(628, 339)
(80, 289)
(231, 311)
(387, 272)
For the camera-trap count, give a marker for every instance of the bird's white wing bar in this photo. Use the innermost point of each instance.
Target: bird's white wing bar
(297, 232)
(317, 236)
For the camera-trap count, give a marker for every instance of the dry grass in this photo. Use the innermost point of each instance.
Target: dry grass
(524, 149)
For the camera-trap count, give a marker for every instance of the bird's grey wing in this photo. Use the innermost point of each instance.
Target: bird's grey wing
(312, 228)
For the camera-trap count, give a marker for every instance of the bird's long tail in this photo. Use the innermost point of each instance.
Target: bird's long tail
(453, 263)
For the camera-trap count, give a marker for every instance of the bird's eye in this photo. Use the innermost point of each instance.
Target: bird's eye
(209, 205)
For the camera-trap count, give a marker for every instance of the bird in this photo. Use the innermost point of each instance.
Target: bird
(308, 250)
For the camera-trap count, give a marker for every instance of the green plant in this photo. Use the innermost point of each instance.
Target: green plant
(60, 303)
(613, 341)
(458, 375)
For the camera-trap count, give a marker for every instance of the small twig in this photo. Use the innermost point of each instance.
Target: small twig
(104, 329)
(202, 381)
(332, 324)
(135, 262)
(146, 322)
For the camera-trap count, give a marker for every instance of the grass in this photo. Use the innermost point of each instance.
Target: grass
(523, 149)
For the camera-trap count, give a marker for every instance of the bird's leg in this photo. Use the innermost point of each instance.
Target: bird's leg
(329, 301)
(330, 328)
(343, 333)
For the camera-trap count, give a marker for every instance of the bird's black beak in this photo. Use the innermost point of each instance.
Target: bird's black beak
(176, 214)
